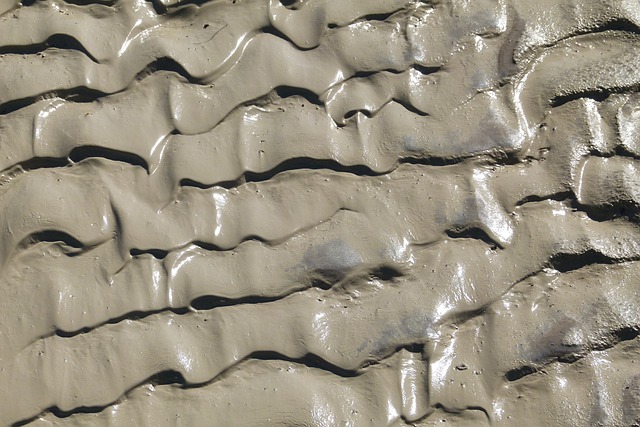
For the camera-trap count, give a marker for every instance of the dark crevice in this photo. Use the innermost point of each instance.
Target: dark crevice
(386, 273)
(570, 262)
(617, 24)
(51, 236)
(90, 2)
(80, 410)
(290, 91)
(559, 197)
(167, 377)
(425, 70)
(156, 253)
(79, 154)
(321, 283)
(627, 333)
(465, 316)
(35, 163)
(351, 113)
(169, 65)
(518, 373)
(80, 94)
(365, 74)
(599, 95)
(431, 161)
(412, 348)
(59, 413)
(378, 16)
(298, 163)
(371, 113)
(209, 302)
(186, 182)
(474, 233)
(382, 16)
(479, 409)
(310, 360)
(161, 378)
(619, 209)
(617, 336)
(91, 151)
(58, 41)
(307, 163)
(292, 4)
(279, 34)
(206, 245)
(622, 151)
(132, 315)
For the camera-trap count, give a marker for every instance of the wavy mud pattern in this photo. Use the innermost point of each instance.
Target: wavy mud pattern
(320, 213)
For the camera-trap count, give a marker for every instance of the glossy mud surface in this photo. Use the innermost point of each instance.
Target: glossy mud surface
(320, 213)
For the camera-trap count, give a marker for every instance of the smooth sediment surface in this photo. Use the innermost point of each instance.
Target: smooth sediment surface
(320, 213)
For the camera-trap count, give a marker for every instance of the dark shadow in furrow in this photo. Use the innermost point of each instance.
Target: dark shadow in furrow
(627, 209)
(176, 378)
(61, 414)
(432, 161)
(421, 68)
(558, 197)
(80, 94)
(521, 372)
(426, 70)
(292, 4)
(325, 282)
(76, 2)
(156, 253)
(297, 163)
(51, 236)
(474, 233)
(83, 152)
(597, 95)
(166, 64)
(35, 163)
(78, 154)
(173, 377)
(210, 302)
(308, 163)
(279, 34)
(616, 24)
(83, 94)
(309, 360)
(91, 2)
(59, 41)
(290, 91)
(386, 273)
(570, 262)
(627, 333)
(622, 152)
(369, 114)
(366, 18)
(132, 315)
(161, 378)
(621, 209)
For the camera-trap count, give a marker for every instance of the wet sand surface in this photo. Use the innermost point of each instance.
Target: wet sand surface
(320, 213)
